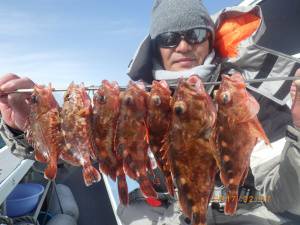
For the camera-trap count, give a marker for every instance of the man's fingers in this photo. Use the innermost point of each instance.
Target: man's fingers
(297, 82)
(6, 78)
(3, 101)
(18, 104)
(13, 107)
(10, 76)
(295, 87)
(20, 109)
(295, 93)
(16, 84)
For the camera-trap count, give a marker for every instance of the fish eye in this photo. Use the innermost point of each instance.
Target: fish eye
(34, 99)
(179, 110)
(67, 97)
(226, 98)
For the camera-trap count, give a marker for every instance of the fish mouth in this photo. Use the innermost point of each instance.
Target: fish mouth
(156, 100)
(179, 108)
(128, 100)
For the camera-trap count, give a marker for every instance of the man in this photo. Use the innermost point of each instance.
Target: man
(181, 43)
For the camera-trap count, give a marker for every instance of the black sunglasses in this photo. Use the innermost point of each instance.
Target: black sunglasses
(172, 39)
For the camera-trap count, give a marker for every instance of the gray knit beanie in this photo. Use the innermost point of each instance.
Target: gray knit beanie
(179, 15)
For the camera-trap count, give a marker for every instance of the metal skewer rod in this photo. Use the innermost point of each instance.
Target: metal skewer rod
(250, 81)
(93, 87)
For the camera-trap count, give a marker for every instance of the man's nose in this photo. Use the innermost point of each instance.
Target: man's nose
(183, 46)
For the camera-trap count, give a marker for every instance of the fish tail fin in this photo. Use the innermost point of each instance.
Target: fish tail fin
(122, 188)
(147, 186)
(113, 173)
(199, 211)
(51, 170)
(90, 175)
(231, 201)
(198, 219)
(41, 156)
(128, 169)
(104, 168)
(110, 171)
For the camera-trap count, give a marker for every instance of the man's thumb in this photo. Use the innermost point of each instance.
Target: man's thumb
(295, 92)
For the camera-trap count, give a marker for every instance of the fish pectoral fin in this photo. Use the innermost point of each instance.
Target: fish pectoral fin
(84, 112)
(29, 137)
(165, 146)
(146, 138)
(207, 133)
(217, 157)
(245, 174)
(259, 132)
(250, 110)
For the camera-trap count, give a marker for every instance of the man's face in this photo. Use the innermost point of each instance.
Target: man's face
(184, 55)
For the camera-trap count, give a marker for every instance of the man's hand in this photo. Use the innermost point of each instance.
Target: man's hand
(295, 93)
(13, 107)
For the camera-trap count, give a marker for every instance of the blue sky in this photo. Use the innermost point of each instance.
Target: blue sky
(60, 41)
